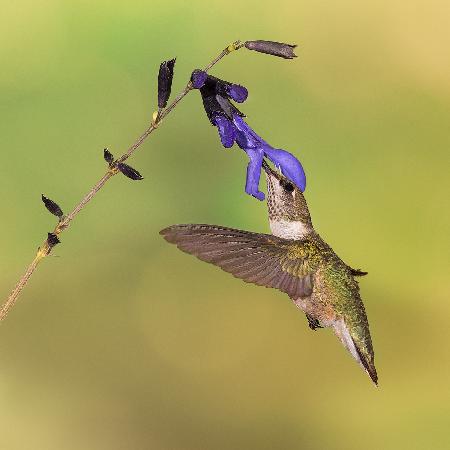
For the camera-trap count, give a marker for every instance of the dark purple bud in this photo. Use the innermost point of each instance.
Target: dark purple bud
(237, 92)
(52, 240)
(198, 78)
(52, 207)
(165, 77)
(109, 158)
(227, 131)
(129, 172)
(272, 48)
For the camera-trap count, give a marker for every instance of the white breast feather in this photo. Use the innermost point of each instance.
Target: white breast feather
(288, 229)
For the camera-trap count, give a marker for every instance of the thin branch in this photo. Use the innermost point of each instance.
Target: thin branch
(49, 243)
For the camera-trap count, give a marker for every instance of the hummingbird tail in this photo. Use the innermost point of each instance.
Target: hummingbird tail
(342, 332)
(368, 365)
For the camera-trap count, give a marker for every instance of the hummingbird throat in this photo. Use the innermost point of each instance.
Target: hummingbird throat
(288, 229)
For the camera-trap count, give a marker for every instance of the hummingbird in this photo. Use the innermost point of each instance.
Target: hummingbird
(293, 259)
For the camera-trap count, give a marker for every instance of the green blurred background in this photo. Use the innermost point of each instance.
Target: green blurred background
(123, 342)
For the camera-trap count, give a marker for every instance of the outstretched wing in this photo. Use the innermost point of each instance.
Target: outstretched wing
(261, 259)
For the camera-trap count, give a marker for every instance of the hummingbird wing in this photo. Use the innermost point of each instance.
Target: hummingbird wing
(261, 259)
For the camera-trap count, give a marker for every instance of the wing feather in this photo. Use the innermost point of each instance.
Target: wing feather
(256, 258)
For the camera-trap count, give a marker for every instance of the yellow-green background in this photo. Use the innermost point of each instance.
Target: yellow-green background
(123, 342)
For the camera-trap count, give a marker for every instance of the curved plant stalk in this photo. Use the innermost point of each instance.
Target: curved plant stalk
(64, 221)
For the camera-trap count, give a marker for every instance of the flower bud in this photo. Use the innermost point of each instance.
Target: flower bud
(52, 207)
(272, 48)
(129, 172)
(52, 240)
(165, 77)
(109, 158)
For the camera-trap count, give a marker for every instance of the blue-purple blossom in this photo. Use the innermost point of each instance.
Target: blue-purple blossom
(216, 95)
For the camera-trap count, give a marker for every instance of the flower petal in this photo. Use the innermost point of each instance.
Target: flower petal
(289, 165)
(227, 131)
(251, 137)
(254, 173)
(198, 78)
(237, 92)
(245, 141)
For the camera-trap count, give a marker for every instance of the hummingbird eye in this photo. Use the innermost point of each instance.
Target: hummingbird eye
(288, 187)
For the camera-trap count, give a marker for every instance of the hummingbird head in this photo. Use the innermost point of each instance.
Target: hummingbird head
(288, 212)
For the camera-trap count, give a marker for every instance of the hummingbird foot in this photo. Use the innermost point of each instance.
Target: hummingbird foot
(313, 323)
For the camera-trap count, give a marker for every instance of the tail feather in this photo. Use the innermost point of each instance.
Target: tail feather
(342, 332)
(368, 365)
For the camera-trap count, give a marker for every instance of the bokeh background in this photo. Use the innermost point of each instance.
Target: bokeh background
(123, 342)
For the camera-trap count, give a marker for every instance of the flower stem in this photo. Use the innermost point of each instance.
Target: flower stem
(46, 247)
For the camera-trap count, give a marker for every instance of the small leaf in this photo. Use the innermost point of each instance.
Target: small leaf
(165, 77)
(129, 172)
(109, 158)
(52, 207)
(272, 48)
(52, 240)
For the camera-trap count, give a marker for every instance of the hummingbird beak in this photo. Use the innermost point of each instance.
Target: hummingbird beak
(269, 171)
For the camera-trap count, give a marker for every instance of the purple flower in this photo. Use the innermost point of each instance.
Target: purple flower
(216, 95)
(236, 92)
(257, 149)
